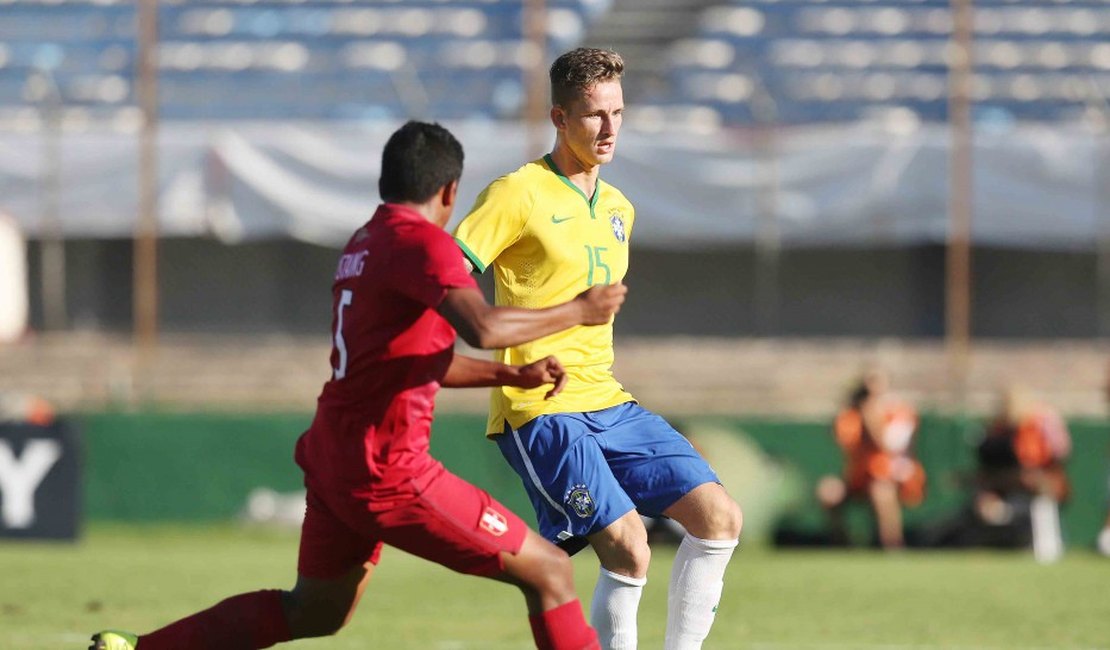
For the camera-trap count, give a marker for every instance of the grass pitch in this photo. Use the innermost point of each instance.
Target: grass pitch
(54, 595)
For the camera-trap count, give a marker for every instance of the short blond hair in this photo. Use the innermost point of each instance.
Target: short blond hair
(575, 72)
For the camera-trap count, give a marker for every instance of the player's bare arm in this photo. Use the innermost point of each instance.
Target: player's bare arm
(486, 327)
(468, 372)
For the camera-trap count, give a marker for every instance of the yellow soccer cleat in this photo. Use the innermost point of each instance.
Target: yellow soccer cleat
(114, 640)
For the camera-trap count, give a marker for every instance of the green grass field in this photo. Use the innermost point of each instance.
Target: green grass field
(53, 595)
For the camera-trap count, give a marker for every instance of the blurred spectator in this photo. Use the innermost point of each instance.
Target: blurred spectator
(875, 433)
(1021, 470)
(1023, 451)
(25, 408)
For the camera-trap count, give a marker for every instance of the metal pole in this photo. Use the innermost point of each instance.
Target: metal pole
(1102, 254)
(145, 265)
(536, 82)
(1098, 111)
(958, 259)
(53, 263)
(768, 238)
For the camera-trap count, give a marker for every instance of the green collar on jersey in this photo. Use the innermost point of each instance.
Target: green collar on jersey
(590, 201)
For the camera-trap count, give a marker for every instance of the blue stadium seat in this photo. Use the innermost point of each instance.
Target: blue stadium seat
(316, 59)
(832, 60)
(800, 60)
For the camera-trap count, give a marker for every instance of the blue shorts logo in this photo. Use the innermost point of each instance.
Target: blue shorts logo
(579, 499)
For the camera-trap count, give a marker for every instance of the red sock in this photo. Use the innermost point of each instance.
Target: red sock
(243, 622)
(563, 628)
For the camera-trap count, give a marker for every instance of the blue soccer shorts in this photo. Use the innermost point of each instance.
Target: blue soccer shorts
(583, 471)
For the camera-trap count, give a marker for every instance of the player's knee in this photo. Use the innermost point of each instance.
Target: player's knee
(546, 573)
(309, 617)
(734, 520)
(326, 621)
(632, 557)
(725, 520)
(641, 558)
(555, 576)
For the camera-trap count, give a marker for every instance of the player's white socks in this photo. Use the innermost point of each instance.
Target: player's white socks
(695, 590)
(613, 610)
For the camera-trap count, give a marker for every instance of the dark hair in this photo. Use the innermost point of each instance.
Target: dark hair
(860, 394)
(578, 70)
(418, 160)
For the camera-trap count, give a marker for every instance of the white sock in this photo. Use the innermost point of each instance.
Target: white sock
(1104, 541)
(695, 590)
(613, 610)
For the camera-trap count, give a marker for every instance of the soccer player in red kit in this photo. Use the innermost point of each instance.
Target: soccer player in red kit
(401, 293)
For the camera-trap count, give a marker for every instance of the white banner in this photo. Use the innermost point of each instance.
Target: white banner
(13, 280)
(1034, 186)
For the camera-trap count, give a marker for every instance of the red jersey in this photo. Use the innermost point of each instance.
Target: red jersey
(390, 350)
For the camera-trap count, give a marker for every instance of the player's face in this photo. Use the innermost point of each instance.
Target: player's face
(591, 122)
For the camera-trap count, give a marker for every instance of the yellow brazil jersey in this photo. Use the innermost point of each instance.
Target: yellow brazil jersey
(547, 242)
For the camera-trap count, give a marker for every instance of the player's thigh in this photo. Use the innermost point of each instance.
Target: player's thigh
(332, 545)
(567, 477)
(456, 524)
(622, 546)
(708, 512)
(334, 565)
(654, 463)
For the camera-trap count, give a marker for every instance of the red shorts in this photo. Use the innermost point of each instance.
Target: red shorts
(452, 523)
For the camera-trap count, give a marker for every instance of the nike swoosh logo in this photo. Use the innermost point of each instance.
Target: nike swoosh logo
(555, 219)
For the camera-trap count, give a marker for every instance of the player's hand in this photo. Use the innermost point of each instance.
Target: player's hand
(545, 371)
(600, 302)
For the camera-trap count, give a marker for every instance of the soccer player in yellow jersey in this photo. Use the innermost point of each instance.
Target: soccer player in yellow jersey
(591, 459)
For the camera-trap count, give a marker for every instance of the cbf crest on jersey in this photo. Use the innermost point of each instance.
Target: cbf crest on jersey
(617, 222)
(579, 499)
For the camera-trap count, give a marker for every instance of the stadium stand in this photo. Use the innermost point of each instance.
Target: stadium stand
(275, 59)
(814, 61)
(791, 61)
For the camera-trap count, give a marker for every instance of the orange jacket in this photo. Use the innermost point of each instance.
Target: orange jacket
(885, 455)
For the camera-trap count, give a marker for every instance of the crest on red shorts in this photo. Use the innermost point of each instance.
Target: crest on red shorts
(494, 522)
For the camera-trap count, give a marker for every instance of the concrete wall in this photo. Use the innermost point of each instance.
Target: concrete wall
(281, 287)
(682, 375)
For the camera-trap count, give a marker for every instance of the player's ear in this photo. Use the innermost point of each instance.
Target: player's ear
(558, 117)
(449, 194)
